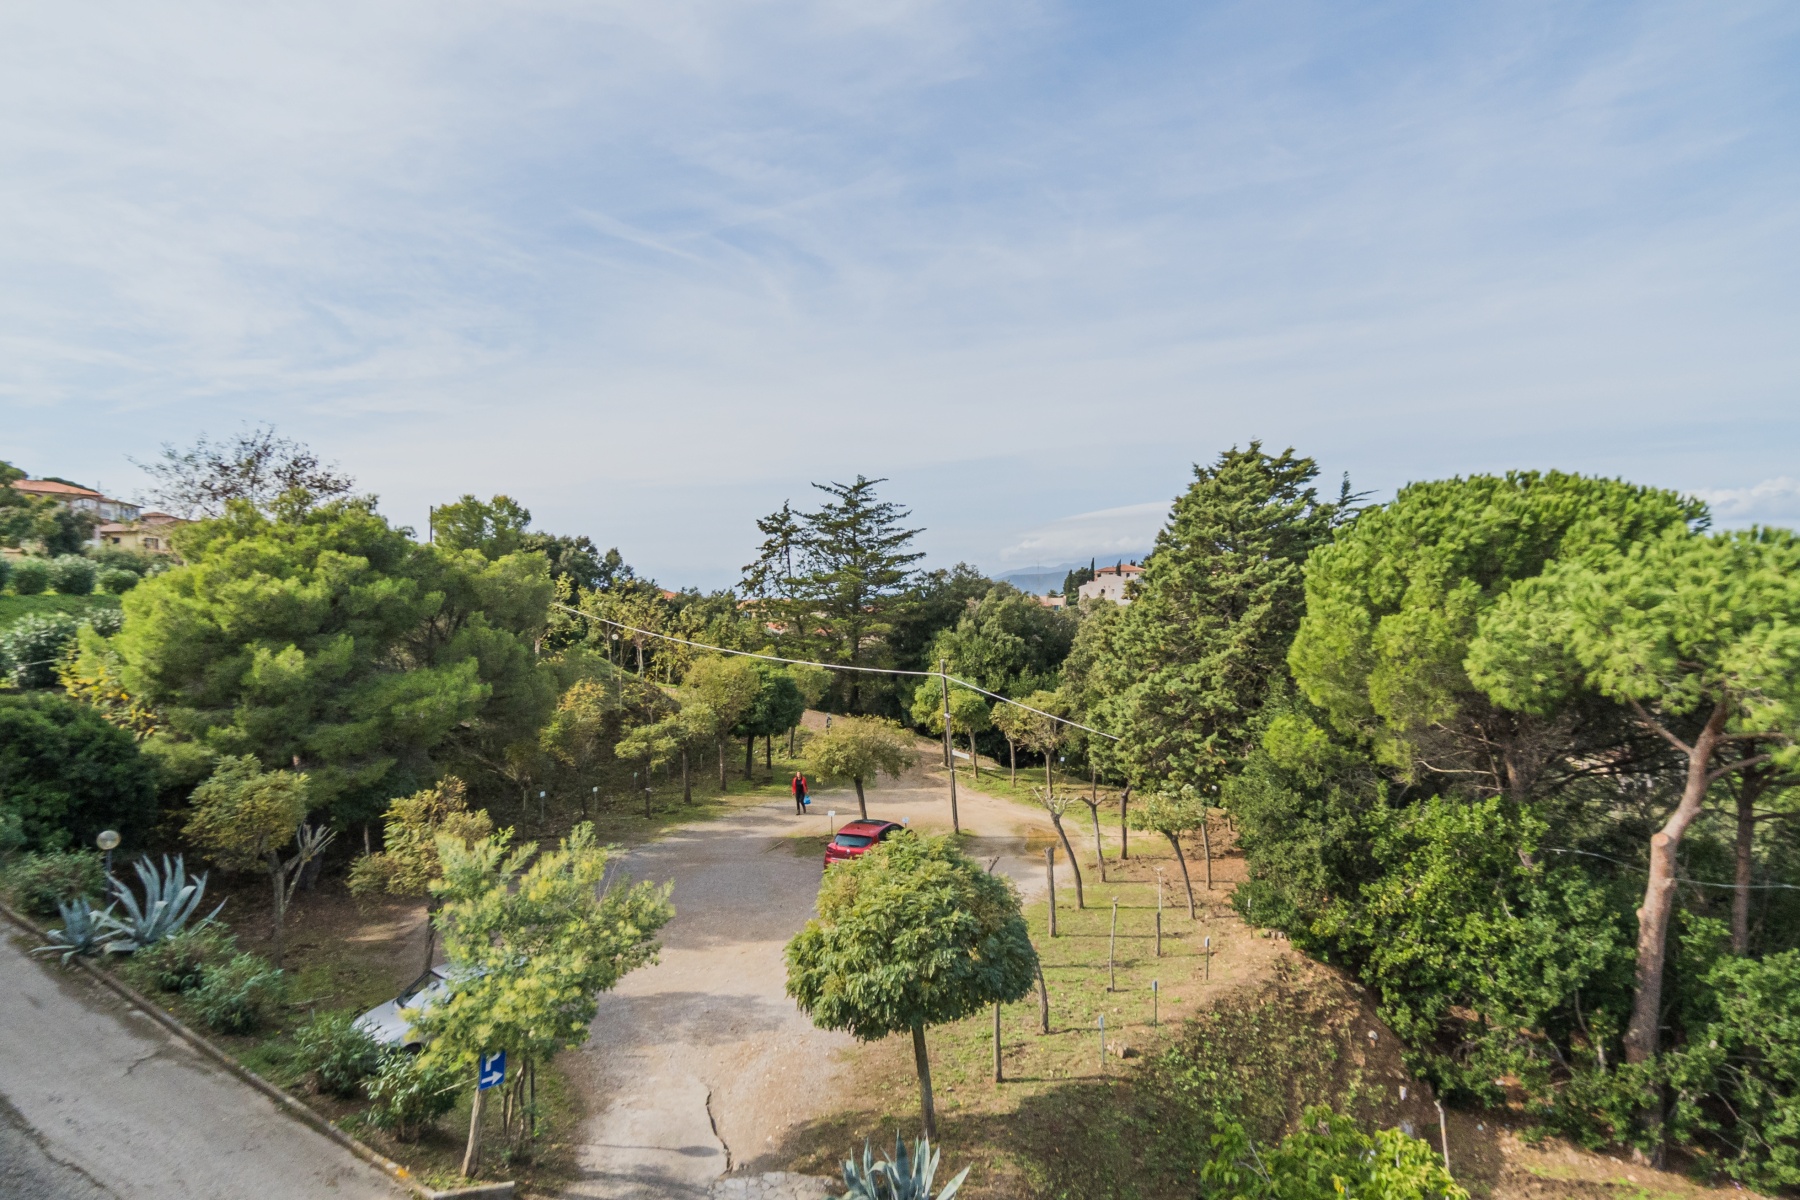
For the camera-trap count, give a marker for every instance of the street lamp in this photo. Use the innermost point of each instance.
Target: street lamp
(108, 840)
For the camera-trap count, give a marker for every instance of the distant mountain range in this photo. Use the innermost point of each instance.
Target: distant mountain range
(1040, 581)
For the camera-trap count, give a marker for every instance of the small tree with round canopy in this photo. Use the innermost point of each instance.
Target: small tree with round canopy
(859, 748)
(1173, 814)
(911, 934)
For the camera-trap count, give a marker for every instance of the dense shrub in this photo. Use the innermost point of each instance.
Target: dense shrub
(179, 962)
(118, 581)
(72, 575)
(239, 995)
(117, 558)
(69, 774)
(336, 1055)
(5, 571)
(31, 645)
(1328, 1155)
(30, 576)
(408, 1094)
(1737, 1081)
(38, 883)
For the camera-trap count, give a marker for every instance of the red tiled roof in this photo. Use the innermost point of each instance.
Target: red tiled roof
(45, 487)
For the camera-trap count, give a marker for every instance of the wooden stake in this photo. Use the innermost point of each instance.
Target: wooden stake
(1043, 995)
(999, 1076)
(1443, 1134)
(1103, 1043)
(472, 1154)
(949, 759)
(1112, 946)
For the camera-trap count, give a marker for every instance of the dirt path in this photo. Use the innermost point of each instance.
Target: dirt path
(697, 1065)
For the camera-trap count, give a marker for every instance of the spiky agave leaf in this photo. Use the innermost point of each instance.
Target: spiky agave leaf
(902, 1175)
(83, 930)
(169, 901)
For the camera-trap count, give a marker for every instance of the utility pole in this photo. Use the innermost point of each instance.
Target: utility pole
(949, 762)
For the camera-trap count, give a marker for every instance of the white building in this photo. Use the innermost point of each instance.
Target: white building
(1112, 582)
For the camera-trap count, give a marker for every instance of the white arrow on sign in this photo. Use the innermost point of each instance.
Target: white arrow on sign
(492, 1071)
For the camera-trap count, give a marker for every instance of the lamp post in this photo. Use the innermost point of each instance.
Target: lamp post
(108, 840)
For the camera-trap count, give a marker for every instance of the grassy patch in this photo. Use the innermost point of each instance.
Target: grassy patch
(13, 607)
(1255, 1032)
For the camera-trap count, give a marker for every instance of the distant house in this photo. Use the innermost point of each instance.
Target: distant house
(149, 533)
(1053, 601)
(1112, 583)
(79, 498)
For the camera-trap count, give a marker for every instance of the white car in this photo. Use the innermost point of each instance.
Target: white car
(384, 1022)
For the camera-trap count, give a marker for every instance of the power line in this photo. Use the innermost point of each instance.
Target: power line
(802, 662)
(1787, 887)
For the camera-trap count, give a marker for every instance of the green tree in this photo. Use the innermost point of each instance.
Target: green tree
(534, 946)
(1015, 725)
(969, 713)
(1209, 627)
(66, 774)
(729, 687)
(1392, 606)
(495, 528)
(858, 560)
(1008, 642)
(778, 707)
(911, 934)
(859, 748)
(1173, 814)
(245, 817)
(1700, 637)
(328, 641)
(408, 862)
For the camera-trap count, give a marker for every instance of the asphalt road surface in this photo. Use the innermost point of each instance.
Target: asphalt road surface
(99, 1101)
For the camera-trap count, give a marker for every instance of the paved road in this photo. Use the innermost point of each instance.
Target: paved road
(697, 1064)
(97, 1100)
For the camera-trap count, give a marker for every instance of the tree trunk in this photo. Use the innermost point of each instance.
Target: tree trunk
(722, 784)
(640, 650)
(1181, 858)
(1043, 995)
(472, 1154)
(862, 805)
(430, 936)
(1642, 1036)
(749, 756)
(1074, 867)
(999, 1073)
(974, 758)
(687, 783)
(1746, 860)
(769, 755)
(922, 1061)
(1124, 824)
(1206, 843)
(1012, 754)
(278, 877)
(1099, 846)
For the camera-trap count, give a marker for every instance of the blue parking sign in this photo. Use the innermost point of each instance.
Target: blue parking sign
(492, 1071)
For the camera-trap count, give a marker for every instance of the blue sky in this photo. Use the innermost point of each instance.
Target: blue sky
(650, 268)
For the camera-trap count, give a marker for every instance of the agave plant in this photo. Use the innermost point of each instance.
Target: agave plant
(83, 931)
(900, 1176)
(169, 900)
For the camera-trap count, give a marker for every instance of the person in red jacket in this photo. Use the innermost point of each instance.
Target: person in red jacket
(801, 798)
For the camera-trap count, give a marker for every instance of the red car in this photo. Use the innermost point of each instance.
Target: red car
(856, 837)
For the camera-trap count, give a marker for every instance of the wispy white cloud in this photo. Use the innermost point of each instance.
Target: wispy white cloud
(1128, 530)
(1772, 500)
(654, 265)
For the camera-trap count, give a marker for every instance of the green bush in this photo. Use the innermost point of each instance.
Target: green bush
(1737, 1081)
(407, 1094)
(38, 883)
(1327, 1156)
(118, 581)
(30, 576)
(117, 558)
(69, 774)
(338, 1056)
(72, 575)
(240, 995)
(5, 571)
(32, 644)
(179, 962)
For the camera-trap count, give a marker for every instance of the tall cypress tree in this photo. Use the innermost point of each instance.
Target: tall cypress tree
(1208, 628)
